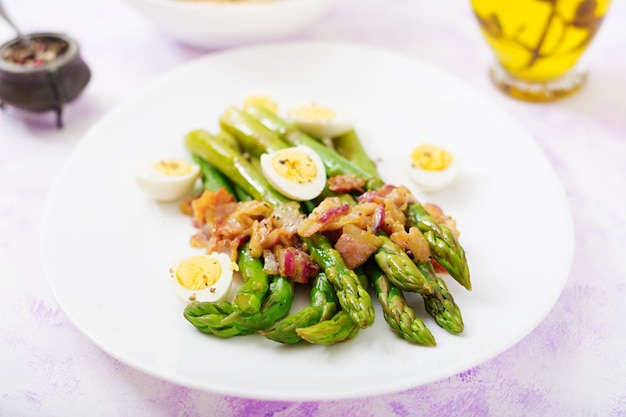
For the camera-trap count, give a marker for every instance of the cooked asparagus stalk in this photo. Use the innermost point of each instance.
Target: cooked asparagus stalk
(441, 305)
(398, 314)
(349, 146)
(420, 277)
(335, 329)
(352, 296)
(400, 269)
(212, 179)
(250, 295)
(285, 330)
(249, 132)
(444, 246)
(340, 328)
(275, 307)
(208, 317)
(323, 307)
(219, 318)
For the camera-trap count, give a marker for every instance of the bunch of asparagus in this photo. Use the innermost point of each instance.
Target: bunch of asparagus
(340, 301)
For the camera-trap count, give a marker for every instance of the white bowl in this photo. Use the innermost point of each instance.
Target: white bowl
(206, 24)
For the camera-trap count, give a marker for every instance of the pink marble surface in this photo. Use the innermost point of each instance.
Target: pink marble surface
(572, 364)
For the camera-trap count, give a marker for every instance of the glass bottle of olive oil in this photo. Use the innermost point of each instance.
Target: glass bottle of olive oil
(538, 41)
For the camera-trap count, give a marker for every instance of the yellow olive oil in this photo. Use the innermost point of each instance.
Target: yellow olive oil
(539, 40)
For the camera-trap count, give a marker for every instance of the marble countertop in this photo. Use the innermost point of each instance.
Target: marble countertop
(572, 364)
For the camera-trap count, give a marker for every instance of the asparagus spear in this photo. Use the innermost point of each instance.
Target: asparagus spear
(208, 317)
(352, 296)
(323, 306)
(400, 269)
(249, 132)
(268, 118)
(340, 328)
(418, 278)
(212, 179)
(284, 331)
(220, 319)
(330, 328)
(398, 314)
(441, 305)
(349, 146)
(444, 246)
(227, 139)
(323, 295)
(250, 294)
(275, 307)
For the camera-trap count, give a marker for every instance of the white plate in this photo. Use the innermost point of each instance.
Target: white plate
(107, 248)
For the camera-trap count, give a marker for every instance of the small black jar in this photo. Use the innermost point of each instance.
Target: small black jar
(43, 84)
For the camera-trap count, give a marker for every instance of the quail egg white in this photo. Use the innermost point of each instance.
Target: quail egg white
(296, 172)
(320, 121)
(203, 277)
(432, 167)
(166, 180)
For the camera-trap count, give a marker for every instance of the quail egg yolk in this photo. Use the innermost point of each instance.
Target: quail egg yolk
(431, 158)
(166, 180)
(296, 172)
(433, 168)
(173, 167)
(198, 272)
(320, 121)
(203, 277)
(295, 166)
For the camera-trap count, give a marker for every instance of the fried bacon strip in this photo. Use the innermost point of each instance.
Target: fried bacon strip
(224, 223)
(382, 210)
(274, 232)
(356, 245)
(346, 183)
